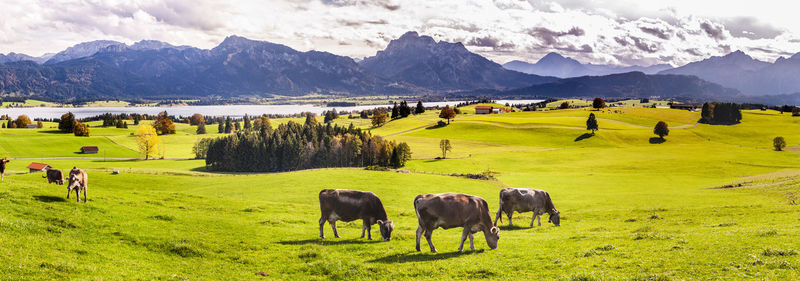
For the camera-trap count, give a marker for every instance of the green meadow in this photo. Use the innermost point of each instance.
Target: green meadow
(710, 202)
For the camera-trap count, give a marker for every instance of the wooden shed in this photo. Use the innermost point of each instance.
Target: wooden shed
(89, 149)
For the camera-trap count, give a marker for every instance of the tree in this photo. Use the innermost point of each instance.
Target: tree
(220, 128)
(598, 103)
(39, 124)
(67, 122)
(447, 113)
(163, 124)
(378, 119)
(564, 105)
(661, 129)
(779, 143)
(22, 121)
(237, 126)
(591, 123)
(795, 111)
(419, 109)
(445, 146)
(228, 125)
(404, 109)
(201, 128)
(80, 129)
(395, 111)
(196, 119)
(148, 140)
(311, 119)
(400, 155)
(247, 124)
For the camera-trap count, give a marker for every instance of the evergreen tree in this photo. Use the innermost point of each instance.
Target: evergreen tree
(228, 125)
(404, 109)
(220, 128)
(311, 119)
(395, 112)
(247, 124)
(419, 109)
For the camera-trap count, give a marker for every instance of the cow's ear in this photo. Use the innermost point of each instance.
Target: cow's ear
(494, 230)
(380, 222)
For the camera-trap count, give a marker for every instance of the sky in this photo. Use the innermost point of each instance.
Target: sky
(623, 32)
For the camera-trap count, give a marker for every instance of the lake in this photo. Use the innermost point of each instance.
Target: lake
(208, 110)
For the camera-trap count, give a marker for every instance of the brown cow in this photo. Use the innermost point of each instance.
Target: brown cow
(78, 180)
(3, 167)
(449, 210)
(349, 205)
(527, 200)
(54, 176)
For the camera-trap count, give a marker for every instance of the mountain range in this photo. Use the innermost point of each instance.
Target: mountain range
(554, 64)
(410, 64)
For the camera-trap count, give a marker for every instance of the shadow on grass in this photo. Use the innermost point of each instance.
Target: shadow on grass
(48, 199)
(655, 140)
(329, 241)
(584, 136)
(512, 227)
(434, 127)
(433, 160)
(421, 256)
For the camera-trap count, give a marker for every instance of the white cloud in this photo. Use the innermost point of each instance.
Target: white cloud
(599, 31)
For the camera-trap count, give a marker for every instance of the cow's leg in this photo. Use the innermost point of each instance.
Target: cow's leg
(464, 235)
(363, 228)
(428, 235)
(499, 215)
(419, 233)
(68, 192)
(471, 245)
(321, 224)
(540, 219)
(510, 214)
(84, 195)
(78, 195)
(533, 219)
(333, 225)
(369, 231)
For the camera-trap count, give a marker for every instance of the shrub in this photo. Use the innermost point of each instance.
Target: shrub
(778, 143)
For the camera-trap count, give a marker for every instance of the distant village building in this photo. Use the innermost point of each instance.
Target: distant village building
(689, 107)
(89, 149)
(30, 126)
(37, 167)
(490, 110)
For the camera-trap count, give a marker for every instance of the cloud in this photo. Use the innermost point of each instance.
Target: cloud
(604, 31)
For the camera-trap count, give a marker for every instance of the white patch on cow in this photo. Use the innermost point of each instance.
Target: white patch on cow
(348, 200)
(334, 217)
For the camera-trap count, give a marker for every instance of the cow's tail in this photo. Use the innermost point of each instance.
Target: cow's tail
(416, 210)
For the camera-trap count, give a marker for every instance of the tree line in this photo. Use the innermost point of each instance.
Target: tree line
(294, 146)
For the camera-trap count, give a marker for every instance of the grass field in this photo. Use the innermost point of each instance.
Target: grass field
(711, 202)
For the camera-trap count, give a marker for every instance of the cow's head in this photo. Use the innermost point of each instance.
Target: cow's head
(386, 229)
(492, 236)
(73, 181)
(555, 217)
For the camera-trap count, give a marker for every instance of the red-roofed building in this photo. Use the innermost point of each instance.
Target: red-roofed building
(89, 149)
(38, 167)
(490, 110)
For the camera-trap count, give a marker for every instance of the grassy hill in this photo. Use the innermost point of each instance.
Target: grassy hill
(632, 208)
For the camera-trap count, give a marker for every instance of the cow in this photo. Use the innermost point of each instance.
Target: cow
(78, 180)
(3, 167)
(450, 210)
(54, 176)
(527, 200)
(349, 205)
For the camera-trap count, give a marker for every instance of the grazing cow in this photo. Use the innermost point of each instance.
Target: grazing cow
(449, 210)
(78, 180)
(54, 176)
(3, 167)
(349, 205)
(527, 200)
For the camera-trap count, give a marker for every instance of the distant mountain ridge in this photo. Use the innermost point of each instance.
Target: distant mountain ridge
(423, 62)
(748, 75)
(629, 85)
(554, 64)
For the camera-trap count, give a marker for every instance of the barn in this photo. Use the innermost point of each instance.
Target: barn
(37, 167)
(89, 149)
